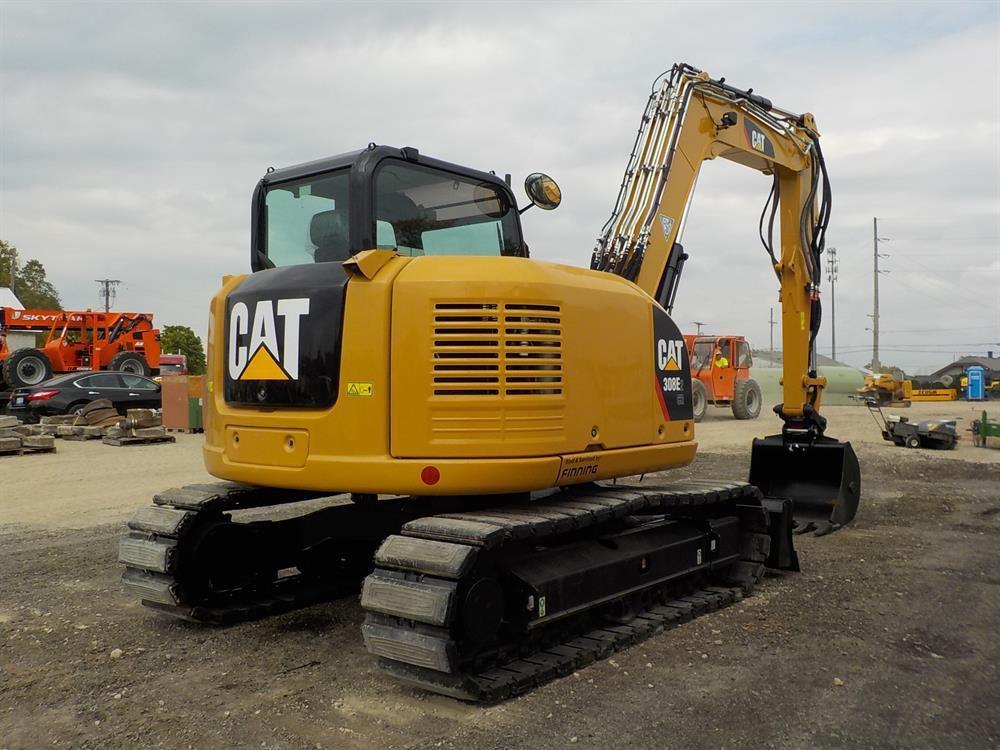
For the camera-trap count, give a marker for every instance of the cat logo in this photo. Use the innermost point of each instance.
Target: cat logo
(668, 354)
(259, 358)
(757, 139)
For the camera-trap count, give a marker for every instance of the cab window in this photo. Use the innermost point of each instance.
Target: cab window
(702, 358)
(137, 382)
(743, 357)
(425, 211)
(100, 380)
(307, 220)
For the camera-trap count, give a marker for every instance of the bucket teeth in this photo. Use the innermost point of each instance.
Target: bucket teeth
(425, 556)
(137, 552)
(157, 520)
(424, 601)
(151, 586)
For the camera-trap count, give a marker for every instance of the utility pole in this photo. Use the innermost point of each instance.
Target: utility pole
(699, 324)
(13, 273)
(108, 291)
(832, 266)
(771, 323)
(876, 366)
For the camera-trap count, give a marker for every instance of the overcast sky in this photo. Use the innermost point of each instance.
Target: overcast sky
(131, 136)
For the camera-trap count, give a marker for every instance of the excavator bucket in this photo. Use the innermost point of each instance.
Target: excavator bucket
(821, 478)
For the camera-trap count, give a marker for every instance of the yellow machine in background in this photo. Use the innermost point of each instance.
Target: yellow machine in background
(893, 389)
(396, 342)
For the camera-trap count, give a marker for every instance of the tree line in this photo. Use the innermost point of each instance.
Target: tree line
(27, 280)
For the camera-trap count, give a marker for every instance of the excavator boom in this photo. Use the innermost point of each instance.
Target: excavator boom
(691, 118)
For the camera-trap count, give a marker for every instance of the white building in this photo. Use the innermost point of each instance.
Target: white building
(16, 339)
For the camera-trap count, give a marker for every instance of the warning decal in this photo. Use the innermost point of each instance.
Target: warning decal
(360, 389)
(668, 226)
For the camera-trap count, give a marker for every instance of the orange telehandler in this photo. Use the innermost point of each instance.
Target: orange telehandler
(720, 375)
(77, 340)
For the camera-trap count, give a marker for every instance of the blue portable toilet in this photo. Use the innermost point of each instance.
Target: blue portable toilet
(977, 383)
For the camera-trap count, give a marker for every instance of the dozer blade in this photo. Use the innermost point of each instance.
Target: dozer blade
(821, 478)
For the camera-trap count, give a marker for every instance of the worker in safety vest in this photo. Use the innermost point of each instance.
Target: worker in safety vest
(720, 358)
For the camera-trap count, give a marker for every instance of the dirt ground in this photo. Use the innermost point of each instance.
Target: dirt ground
(886, 639)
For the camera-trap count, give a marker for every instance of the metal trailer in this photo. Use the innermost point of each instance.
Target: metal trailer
(930, 433)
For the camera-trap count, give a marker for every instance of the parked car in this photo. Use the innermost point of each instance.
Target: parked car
(67, 394)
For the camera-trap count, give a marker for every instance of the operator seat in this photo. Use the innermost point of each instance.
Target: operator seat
(328, 231)
(405, 216)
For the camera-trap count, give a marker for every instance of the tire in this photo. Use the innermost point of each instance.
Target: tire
(130, 362)
(746, 399)
(25, 368)
(913, 441)
(699, 399)
(76, 407)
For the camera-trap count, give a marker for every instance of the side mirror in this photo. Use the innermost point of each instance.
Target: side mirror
(542, 190)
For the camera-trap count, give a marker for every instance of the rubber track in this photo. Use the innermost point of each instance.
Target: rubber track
(211, 500)
(568, 512)
(521, 675)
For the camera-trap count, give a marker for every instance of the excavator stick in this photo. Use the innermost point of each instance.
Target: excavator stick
(821, 478)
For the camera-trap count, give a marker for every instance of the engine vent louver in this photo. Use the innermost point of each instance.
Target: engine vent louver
(493, 349)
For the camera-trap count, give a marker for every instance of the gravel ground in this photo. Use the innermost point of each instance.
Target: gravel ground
(886, 639)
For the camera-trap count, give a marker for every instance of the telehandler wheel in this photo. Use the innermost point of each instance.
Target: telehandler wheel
(699, 399)
(130, 362)
(26, 367)
(913, 441)
(746, 399)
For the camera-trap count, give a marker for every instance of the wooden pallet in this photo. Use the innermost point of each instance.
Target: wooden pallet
(34, 449)
(23, 451)
(121, 441)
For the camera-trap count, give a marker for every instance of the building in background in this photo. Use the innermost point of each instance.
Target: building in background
(950, 376)
(16, 339)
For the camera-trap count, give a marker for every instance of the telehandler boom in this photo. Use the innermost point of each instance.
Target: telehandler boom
(485, 410)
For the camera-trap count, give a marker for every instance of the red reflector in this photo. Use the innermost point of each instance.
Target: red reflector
(430, 475)
(42, 395)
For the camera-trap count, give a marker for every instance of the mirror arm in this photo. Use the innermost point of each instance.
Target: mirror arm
(522, 210)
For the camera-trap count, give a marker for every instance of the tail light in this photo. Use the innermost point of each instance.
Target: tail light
(42, 395)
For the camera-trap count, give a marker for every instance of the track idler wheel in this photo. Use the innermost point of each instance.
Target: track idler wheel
(482, 610)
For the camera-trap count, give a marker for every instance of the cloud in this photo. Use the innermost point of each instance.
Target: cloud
(131, 136)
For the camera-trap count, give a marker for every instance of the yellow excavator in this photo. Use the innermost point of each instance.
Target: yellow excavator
(490, 415)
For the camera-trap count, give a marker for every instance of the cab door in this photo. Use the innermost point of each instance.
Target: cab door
(724, 378)
(142, 393)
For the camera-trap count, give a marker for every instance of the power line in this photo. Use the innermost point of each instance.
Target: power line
(931, 330)
(954, 303)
